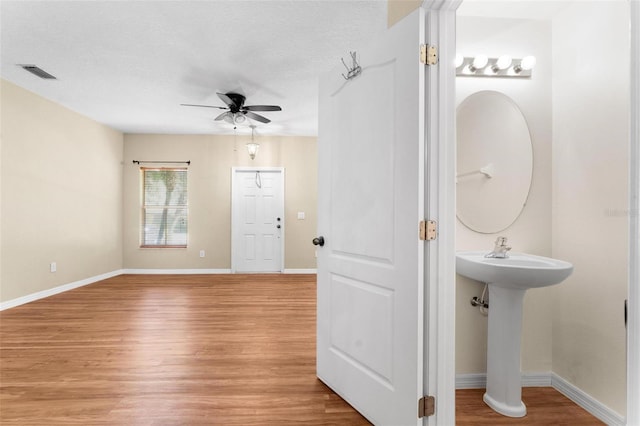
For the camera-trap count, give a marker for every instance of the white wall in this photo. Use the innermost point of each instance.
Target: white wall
(590, 196)
(61, 195)
(531, 232)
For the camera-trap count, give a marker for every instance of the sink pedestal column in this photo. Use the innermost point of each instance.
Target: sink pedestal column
(504, 384)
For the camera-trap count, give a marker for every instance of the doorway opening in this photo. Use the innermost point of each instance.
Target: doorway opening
(615, 211)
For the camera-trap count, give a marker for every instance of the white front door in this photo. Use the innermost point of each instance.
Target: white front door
(371, 200)
(257, 220)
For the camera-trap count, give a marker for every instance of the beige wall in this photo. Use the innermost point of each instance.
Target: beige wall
(531, 233)
(212, 158)
(61, 195)
(398, 9)
(590, 198)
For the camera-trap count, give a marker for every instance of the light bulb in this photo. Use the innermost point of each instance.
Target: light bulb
(480, 61)
(503, 62)
(459, 60)
(527, 63)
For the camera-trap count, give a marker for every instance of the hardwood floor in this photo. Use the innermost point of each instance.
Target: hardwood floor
(161, 350)
(189, 350)
(545, 406)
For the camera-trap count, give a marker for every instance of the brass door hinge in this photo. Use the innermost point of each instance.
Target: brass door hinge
(428, 54)
(428, 230)
(426, 406)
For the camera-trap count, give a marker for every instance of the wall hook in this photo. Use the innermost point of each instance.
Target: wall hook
(354, 70)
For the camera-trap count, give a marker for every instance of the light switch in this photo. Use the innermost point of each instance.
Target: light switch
(300, 215)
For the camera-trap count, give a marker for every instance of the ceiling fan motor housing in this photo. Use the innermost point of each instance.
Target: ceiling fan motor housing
(238, 102)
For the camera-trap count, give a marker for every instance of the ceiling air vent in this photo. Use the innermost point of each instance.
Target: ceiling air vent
(38, 72)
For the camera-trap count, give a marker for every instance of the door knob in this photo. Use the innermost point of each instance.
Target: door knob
(318, 241)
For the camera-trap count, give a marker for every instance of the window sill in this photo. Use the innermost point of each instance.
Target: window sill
(163, 247)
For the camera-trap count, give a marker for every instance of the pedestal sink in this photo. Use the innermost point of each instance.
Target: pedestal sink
(508, 280)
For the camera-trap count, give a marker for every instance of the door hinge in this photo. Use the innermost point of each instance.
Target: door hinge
(426, 406)
(428, 230)
(428, 54)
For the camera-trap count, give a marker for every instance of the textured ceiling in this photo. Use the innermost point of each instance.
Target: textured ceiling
(129, 64)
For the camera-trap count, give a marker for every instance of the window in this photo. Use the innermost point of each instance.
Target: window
(164, 208)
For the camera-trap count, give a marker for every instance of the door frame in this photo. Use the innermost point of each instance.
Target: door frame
(440, 196)
(633, 323)
(234, 183)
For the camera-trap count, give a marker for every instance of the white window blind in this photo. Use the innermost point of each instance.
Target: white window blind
(164, 207)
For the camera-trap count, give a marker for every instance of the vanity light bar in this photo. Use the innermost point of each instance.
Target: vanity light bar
(504, 66)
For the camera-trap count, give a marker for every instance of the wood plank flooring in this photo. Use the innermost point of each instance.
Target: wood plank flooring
(545, 406)
(184, 349)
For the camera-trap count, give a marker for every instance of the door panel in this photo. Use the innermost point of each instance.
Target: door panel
(371, 193)
(374, 179)
(366, 311)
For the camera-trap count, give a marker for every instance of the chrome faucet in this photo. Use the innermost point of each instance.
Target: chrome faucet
(500, 250)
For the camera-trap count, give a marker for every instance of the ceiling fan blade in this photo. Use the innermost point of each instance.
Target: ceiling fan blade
(222, 116)
(204, 106)
(226, 99)
(256, 117)
(262, 108)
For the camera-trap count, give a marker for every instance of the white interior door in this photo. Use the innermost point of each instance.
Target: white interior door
(371, 199)
(257, 220)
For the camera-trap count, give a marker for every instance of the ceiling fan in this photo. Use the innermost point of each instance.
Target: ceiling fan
(237, 112)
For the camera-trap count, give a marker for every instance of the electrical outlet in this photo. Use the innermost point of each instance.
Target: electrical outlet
(53, 267)
(201, 253)
(301, 215)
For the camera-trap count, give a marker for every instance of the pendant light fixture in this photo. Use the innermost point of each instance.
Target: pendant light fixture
(252, 147)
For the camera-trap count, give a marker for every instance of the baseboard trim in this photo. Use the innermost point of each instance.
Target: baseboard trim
(471, 381)
(550, 379)
(586, 401)
(56, 290)
(175, 271)
(301, 271)
(479, 380)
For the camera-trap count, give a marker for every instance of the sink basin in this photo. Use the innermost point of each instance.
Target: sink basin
(508, 280)
(519, 270)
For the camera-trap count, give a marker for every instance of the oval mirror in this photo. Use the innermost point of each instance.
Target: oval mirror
(494, 161)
